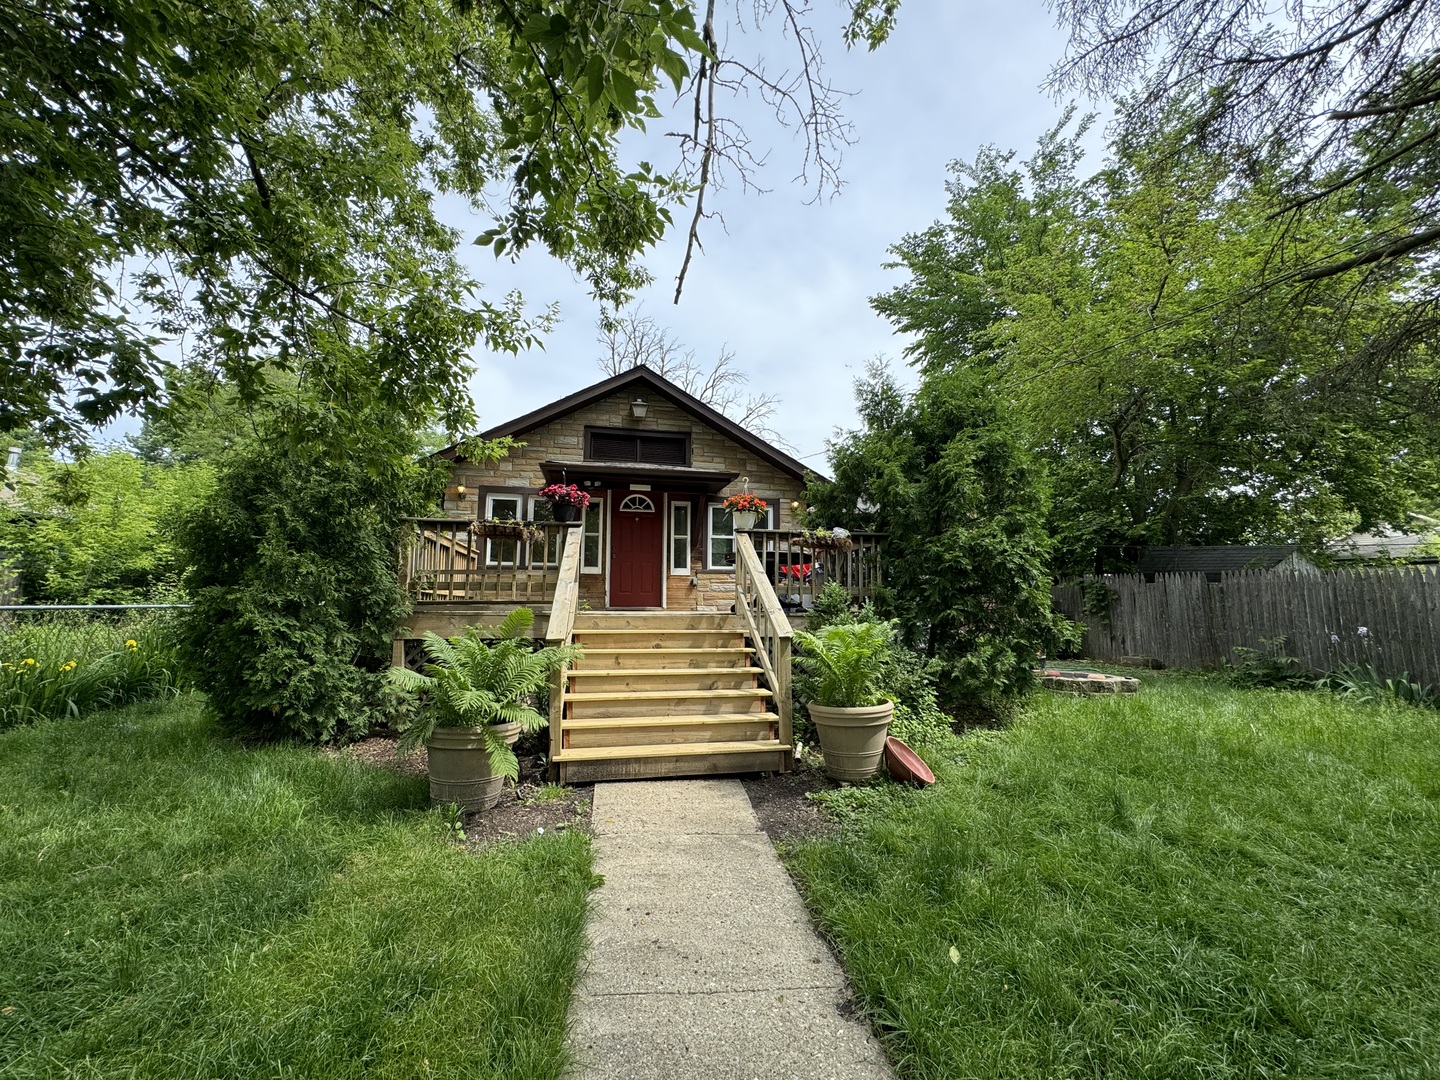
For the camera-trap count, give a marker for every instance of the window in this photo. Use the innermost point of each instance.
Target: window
(721, 553)
(722, 538)
(647, 448)
(638, 504)
(545, 552)
(594, 538)
(679, 538)
(502, 508)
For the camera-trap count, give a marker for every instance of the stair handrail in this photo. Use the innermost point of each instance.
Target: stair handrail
(767, 625)
(560, 629)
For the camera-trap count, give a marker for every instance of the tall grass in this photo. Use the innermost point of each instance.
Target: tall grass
(1195, 881)
(71, 664)
(174, 906)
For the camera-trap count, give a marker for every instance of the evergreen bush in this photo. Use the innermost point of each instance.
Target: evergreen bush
(293, 574)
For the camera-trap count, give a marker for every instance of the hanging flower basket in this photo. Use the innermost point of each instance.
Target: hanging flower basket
(567, 501)
(744, 509)
(825, 540)
(491, 529)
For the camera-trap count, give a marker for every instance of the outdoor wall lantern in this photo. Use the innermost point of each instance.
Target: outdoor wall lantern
(638, 408)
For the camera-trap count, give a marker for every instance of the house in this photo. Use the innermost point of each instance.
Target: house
(683, 616)
(657, 463)
(1388, 547)
(1217, 559)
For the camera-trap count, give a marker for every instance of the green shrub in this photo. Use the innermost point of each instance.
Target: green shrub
(946, 474)
(293, 574)
(907, 677)
(1365, 683)
(834, 604)
(68, 666)
(99, 529)
(1268, 666)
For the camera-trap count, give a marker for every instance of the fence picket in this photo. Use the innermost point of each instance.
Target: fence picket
(1185, 621)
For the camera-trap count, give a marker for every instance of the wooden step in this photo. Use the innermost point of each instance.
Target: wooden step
(667, 679)
(647, 695)
(662, 761)
(660, 672)
(660, 639)
(650, 620)
(611, 753)
(612, 703)
(661, 720)
(674, 731)
(662, 656)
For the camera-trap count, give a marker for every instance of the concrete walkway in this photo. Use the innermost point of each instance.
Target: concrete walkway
(702, 959)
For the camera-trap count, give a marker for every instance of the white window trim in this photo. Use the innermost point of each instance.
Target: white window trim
(689, 534)
(595, 500)
(548, 561)
(772, 514)
(490, 497)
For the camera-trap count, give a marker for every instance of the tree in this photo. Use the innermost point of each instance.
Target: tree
(100, 529)
(1171, 400)
(257, 181)
(947, 475)
(291, 568)
(632, 339)
(1357, 85)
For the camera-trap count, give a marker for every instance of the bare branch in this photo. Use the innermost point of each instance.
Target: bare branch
(629, 340)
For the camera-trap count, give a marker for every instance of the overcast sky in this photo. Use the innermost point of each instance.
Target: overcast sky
(787, 287)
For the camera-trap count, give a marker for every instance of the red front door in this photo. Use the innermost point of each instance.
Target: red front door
(637, 550)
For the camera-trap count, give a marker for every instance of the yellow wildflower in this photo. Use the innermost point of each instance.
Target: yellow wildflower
(130, 643)
(29, 661)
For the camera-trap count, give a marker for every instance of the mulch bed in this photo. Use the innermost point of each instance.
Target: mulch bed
(530, 808)
(782, 806)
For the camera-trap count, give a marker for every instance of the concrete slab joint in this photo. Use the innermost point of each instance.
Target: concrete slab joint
(702, 961)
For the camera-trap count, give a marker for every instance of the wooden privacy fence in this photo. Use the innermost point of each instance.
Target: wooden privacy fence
(1387, 617)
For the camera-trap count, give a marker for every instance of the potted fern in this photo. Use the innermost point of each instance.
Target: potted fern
(841, 669)
(474, 696)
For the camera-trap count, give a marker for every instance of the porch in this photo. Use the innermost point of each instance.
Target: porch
(660, 692)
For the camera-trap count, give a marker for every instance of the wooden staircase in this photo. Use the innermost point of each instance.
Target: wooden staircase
(665, 694)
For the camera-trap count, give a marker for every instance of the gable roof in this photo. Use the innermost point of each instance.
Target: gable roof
(1407, 547)
(642, 377)
(1214, 559)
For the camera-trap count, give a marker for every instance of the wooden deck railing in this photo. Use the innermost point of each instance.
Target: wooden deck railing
(444, 562)
(797, 571)
(767, 626)
(560, 630)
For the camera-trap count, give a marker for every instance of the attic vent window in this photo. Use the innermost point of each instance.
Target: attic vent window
(649, 448)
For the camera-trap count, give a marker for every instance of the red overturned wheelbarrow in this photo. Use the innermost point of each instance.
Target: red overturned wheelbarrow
(905, 765)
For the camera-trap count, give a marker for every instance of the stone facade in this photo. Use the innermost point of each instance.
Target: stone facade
(563, 439)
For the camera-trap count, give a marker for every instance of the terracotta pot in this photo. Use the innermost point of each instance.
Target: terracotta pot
(460, 768)
(744, 519)
(852, 740)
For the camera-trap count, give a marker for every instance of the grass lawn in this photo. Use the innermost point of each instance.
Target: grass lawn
(173, 906)
(1189, 882)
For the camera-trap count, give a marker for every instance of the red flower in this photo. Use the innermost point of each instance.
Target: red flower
(745, 502)
(566, 493)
